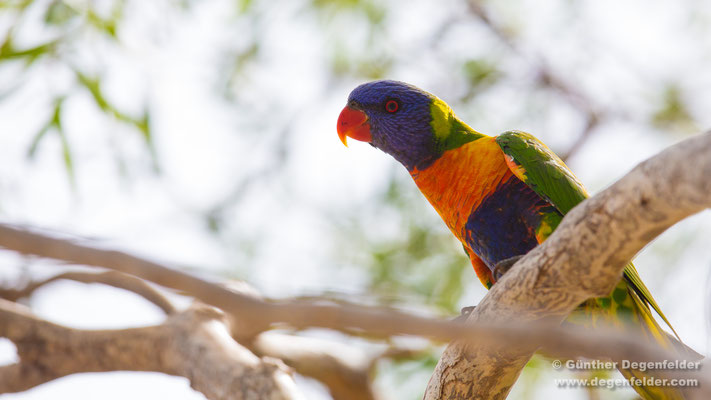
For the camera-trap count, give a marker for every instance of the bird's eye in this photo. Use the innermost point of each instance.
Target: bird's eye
(392, 106)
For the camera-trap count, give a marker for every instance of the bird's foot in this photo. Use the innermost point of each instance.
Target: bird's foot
(466, 311)
(503, 266)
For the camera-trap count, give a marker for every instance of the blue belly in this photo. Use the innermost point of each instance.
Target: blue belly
(504, 225)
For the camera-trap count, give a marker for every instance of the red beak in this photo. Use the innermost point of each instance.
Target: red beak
(353, 123)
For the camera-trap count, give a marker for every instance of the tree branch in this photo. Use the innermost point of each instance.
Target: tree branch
(194, 344)
(583, 258)
(344, 369)
(110, 278)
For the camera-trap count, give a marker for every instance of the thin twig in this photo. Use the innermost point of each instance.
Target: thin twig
(111, 278)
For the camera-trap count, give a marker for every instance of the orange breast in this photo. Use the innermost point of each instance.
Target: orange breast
(460, 179)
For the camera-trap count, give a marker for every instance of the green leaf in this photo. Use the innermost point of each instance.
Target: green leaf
(244, 5)
(480, 74)
(19, 5)
(8, 50)
(372, 10)
(105, 25)
(59, 13)
(673, 113)
(93, 85)
(143, 125)
(36, 140)
(54, 122)
(68, 159)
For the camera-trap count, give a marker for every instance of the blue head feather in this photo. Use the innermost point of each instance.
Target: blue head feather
(407, 134)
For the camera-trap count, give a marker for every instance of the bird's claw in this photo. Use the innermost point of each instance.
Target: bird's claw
(503, 266)
(466, 311)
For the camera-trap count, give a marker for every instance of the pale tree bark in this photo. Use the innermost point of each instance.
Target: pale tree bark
(110, 278)
(194, 344)
(345, 370)
(584, 258)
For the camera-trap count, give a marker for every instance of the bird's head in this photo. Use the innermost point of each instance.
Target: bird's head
(413, 126)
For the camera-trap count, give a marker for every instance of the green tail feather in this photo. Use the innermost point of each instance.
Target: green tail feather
(627, 310)
(659, 336)
(640, 288)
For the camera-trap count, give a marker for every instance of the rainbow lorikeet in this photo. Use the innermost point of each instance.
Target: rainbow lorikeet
(501, 196)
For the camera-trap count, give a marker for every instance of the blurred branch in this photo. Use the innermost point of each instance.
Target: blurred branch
(110, 278)
(547, 77)
(190, 344)
(397, 353)
(583, 259)
(344, 369)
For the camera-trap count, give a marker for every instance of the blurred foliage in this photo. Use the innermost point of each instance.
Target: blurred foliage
(70, 24)
(480, 74)
(673, 113)
(416, 263)
(372, 10)
(534, 370)
(55, 125)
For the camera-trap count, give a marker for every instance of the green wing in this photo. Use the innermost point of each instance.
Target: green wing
(544, 172)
